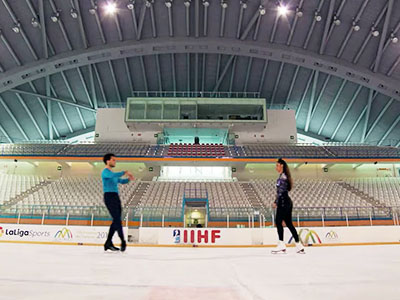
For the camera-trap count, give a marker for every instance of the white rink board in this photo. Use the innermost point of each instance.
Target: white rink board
(54, 233)
(268, 236)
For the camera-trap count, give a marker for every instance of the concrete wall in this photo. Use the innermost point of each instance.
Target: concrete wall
(280, 127)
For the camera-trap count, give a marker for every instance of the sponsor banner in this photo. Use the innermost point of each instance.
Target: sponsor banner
(337, 235)
(53, 233)
(200, 236)
(267, 236)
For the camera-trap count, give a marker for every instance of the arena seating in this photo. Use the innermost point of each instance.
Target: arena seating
(198, 150)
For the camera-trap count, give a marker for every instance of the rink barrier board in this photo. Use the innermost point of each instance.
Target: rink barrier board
(220, 159)
(179, 224)
(197, 246)
(267, 236)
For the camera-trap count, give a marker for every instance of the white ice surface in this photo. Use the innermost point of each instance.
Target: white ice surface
(86, 272)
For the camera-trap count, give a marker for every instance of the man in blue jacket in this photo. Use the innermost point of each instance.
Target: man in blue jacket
(111, 199)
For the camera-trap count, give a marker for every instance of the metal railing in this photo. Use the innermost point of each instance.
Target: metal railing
(222, 216)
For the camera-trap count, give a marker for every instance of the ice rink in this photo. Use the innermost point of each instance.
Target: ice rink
(86, 272)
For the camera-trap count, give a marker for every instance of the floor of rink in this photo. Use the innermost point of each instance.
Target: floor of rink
(58, 272)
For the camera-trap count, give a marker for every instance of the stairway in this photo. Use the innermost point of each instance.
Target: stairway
(137, 195)
(367, 198)
(252, 195)
(25, 194)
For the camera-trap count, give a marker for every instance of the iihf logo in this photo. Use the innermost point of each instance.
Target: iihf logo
(177, 236)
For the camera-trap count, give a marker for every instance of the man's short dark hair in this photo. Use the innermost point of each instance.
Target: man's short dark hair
(107, 157)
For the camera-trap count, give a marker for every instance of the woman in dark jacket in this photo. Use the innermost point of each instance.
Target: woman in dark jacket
(284, 206)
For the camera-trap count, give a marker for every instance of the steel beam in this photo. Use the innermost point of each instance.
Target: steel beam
(389, 131)
(29, 113)
(102, 91)
(304, 93)
(141, 21)
(379, 117)
(263, 73)
(312, 99)
(114, 79)
(21, 29)
(81, 27)
(6, 134)
(312, 26)
(332, 106)
(351, 30)
(97, 18)
(249, 66)
(93, 88)
(369, 36)
(325, 84)
(43, 107)
(61, 25)
(328, 23)
(294, 78)
(277, 81)
(225, 70)
(55, 99)
(344, 115)
(369, 104)
(293, 27)
(11, 115)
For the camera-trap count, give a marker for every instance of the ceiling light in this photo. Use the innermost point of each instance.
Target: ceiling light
(317, 17)
(336, 21)
(148, 3)
(131, 5)
(35, 22)
(356, 27)
(224, 4)
(262, 10)
(206, 3)
(16, 28)
(299, 13)
(55, 17)
(394, 38)
(110, 8)
(168, 3)
(74, 13)
(374, 32)
(282, 10)
(187, 3)
(93, 10)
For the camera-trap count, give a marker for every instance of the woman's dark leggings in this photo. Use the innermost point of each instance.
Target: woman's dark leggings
(113, 204)
(285, 214)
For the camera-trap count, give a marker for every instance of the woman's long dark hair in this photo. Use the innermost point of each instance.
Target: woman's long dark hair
(286, 171)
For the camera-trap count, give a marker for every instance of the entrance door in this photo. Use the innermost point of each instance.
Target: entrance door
(195, 217)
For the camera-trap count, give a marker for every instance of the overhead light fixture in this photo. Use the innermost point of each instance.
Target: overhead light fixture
(262, 10)
(282, 10)
(168, 3)
(336, 20)
(356, 27)
(299, 13)
(93, 10)
(243, 3)
(224, 4)
(110, 8)
(206, 3)
(187, 3)
(394, 38)
(317, 17)
(35, 22)
(131, 5)
(74, 13)
(149, 2)
(374, 32)
(55, 17)
(16, 28)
